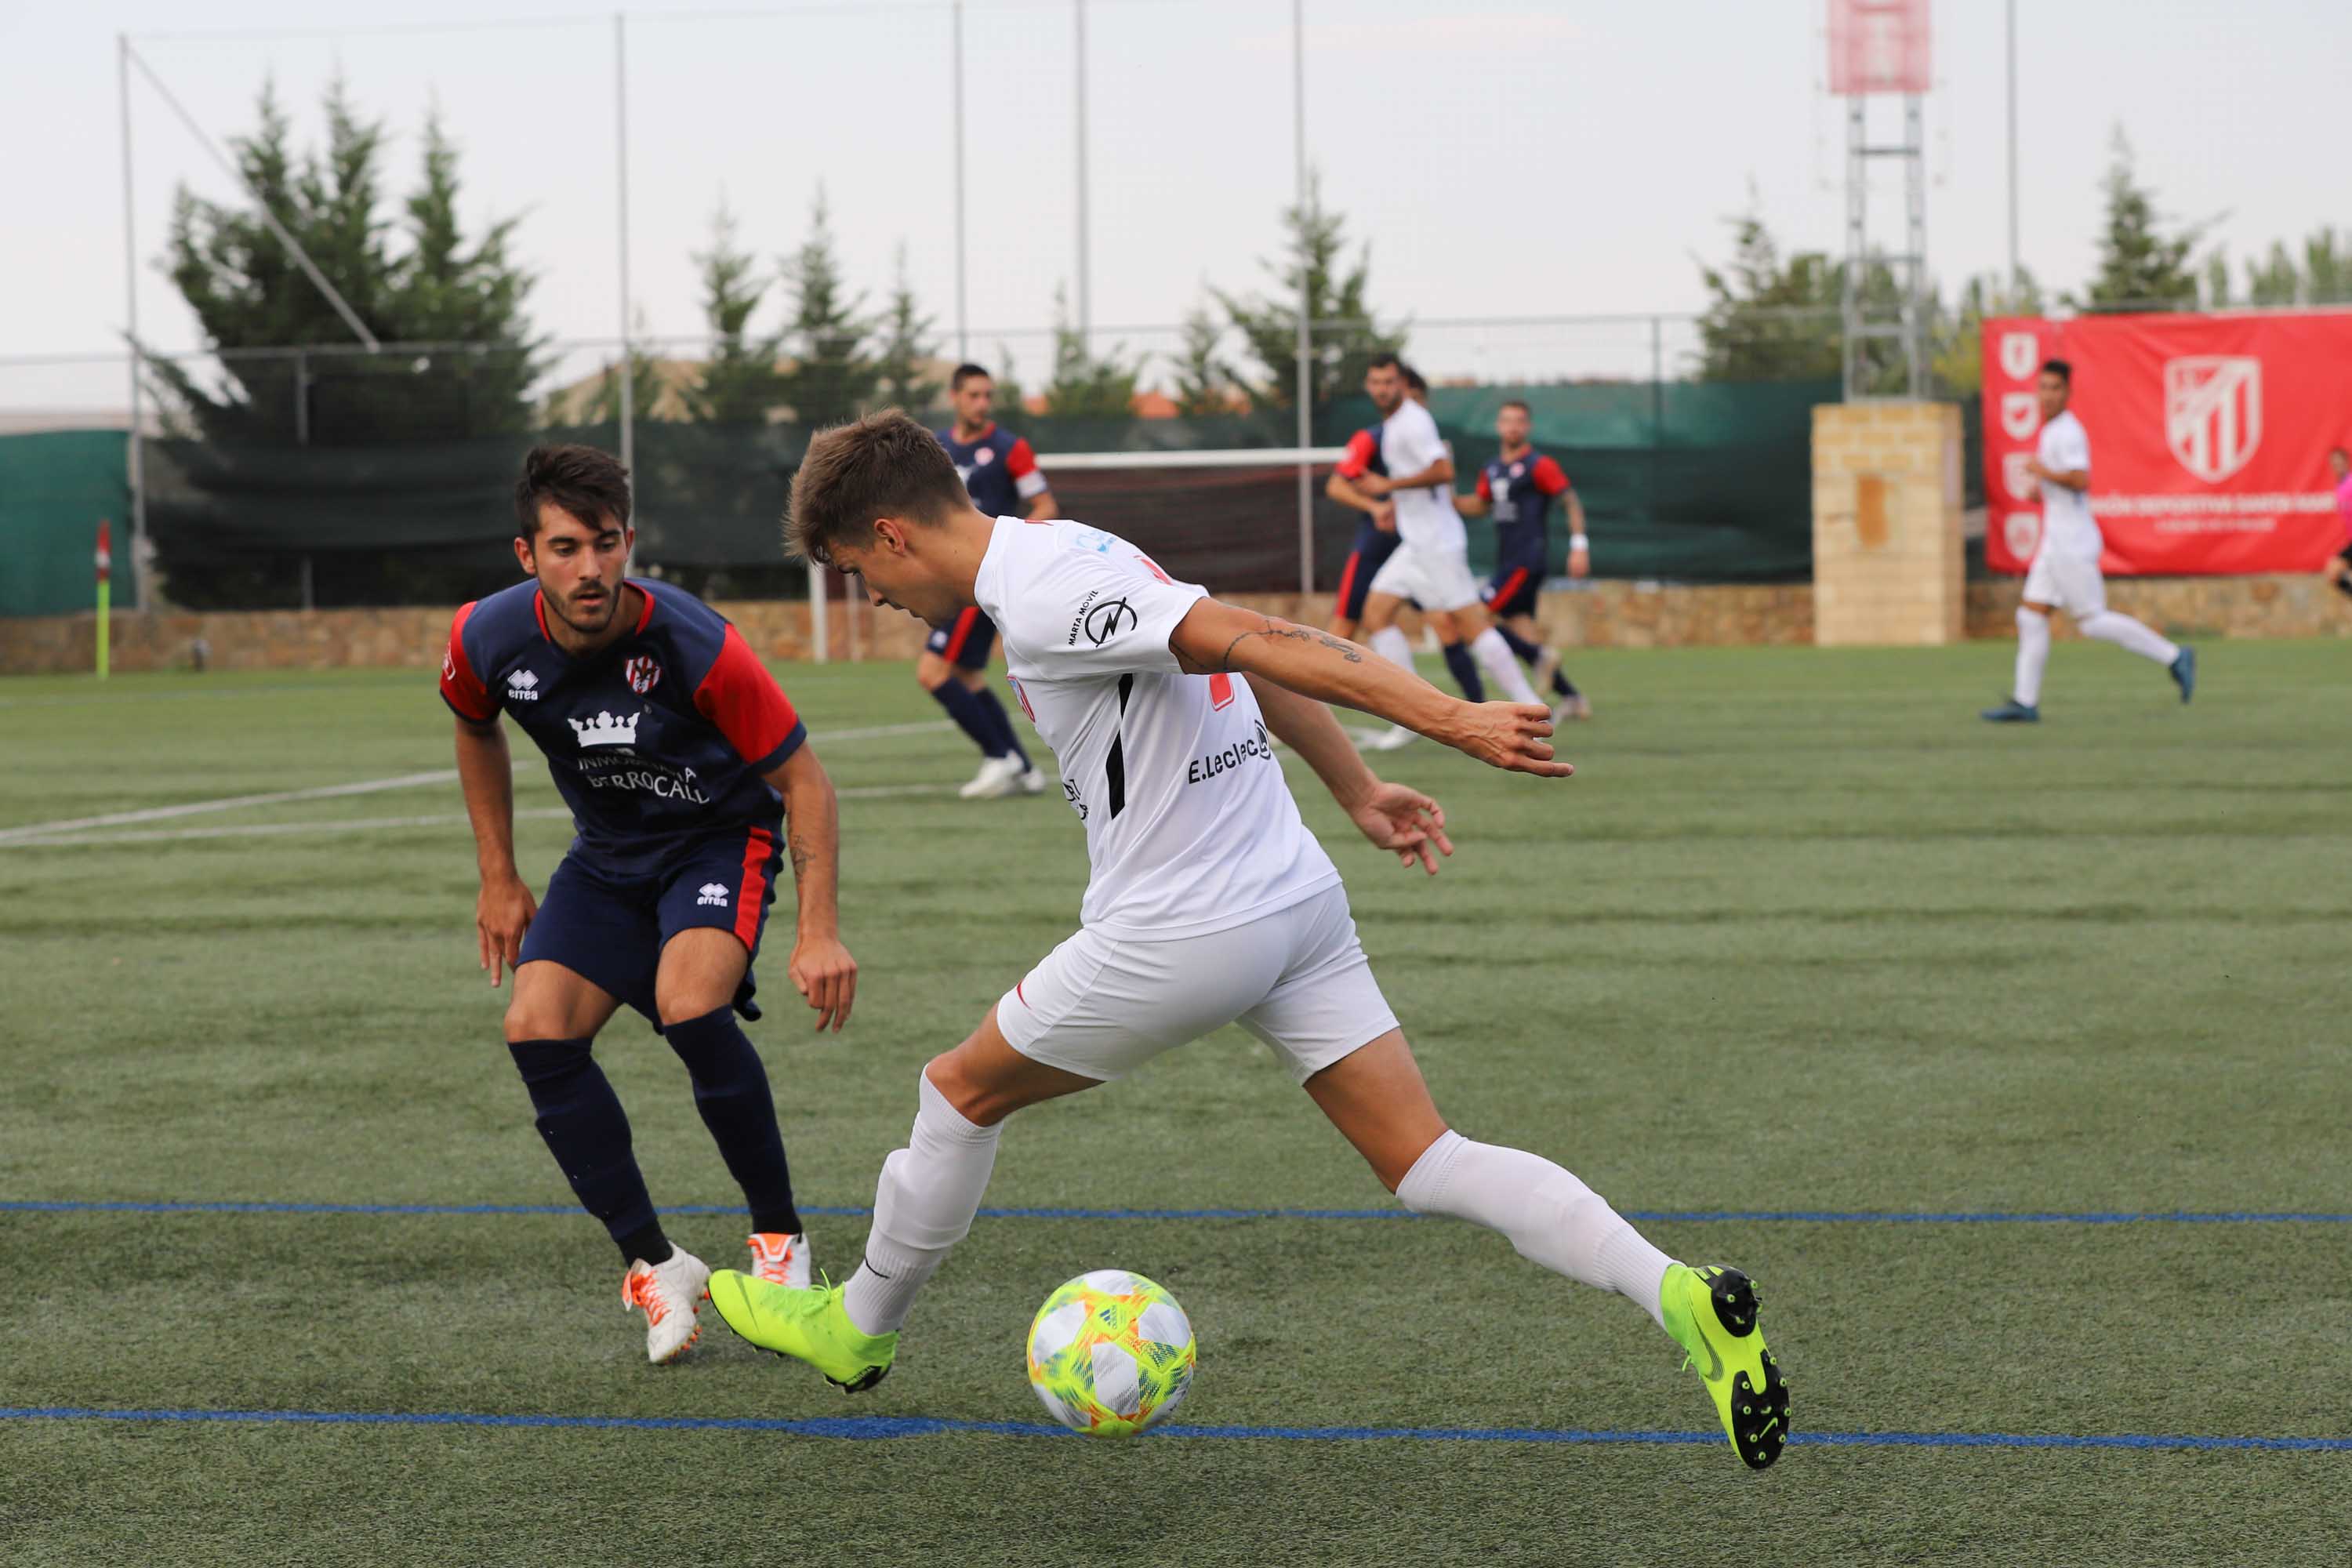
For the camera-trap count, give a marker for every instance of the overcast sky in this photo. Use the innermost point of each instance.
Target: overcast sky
(1503, 158)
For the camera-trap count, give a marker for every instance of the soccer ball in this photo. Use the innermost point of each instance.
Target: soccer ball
(1110, 1353)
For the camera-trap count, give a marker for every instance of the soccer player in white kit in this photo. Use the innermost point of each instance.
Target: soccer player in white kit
(2065, 570)
(1431, 565)
(1208, 903)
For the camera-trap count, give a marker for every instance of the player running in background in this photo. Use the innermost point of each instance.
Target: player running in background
(1001, 475)
(2065, 570)
(1376, 535)
(2339, 566)
(1209, 902)
(687, 775)
(1518, 488)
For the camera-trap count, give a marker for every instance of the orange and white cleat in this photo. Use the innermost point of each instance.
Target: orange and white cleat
(670, 1295)
(781, 1259)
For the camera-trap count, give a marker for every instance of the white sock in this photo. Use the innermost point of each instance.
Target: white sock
(2033, 653)
(2110, 626)
(1494, 655)
(1391, 644)
(1549, 1216)
(922, 1207)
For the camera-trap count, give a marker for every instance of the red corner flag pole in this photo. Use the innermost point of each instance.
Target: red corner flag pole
(105, 593)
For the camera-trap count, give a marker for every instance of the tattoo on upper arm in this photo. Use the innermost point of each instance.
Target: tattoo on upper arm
(1271, 628)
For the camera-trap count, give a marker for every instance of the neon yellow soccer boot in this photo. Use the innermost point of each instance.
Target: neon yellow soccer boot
(1711, 1313)
(808, 1325)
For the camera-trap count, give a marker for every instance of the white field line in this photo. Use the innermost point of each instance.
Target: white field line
(383, 823)
(43, 830)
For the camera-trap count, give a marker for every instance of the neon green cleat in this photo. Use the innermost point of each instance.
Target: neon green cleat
(808, 1325)
(1711, 1313)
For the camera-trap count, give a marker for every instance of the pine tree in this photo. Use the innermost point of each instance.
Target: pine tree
(1769, 321)
(1085, 385)
(2139, 266)
(1344, 335)
(832, 380)
(2328, 268)
(906, 342)
(740, 380)
(1959, 352)
(1204, 388)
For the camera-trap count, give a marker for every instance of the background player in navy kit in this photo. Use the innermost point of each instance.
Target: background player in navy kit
(1001, 475)
(1518, 488)
(685, 767)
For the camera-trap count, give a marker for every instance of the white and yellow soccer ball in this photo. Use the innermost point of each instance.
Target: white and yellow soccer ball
(1110, 1353)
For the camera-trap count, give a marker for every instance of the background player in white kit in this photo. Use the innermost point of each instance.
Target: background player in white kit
(2065, 570)
(1208, 903)
(1431, 566)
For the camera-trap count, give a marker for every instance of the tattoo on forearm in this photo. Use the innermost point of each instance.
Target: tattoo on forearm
(1345, 650)
(802, 857)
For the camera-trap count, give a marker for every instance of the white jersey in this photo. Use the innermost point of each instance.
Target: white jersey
(1425, 518)
(1190, 824)
(2069, 531)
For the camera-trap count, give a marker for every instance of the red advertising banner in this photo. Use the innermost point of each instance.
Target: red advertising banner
(1879, 46)
(2209, 438)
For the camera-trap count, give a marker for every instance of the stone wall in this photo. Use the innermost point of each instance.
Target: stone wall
(1887, 567)
(1608, 614)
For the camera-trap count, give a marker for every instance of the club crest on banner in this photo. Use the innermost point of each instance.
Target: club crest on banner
(2022, 531)
(2021, 413)
(2213, 412)
(2020, 352)
(2020, 485)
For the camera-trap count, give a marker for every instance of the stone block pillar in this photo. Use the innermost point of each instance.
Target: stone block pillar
(1886, 525)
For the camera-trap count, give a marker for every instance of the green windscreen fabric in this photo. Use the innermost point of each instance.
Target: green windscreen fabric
(55, 487)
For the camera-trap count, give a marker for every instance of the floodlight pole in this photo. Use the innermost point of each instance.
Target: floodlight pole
(621, 189)
(2014, 286)
(1086, 282)
(130, 310)
(1302, 393)
(963, 332)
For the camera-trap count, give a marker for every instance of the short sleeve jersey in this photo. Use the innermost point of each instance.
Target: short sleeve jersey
(2068, 529)
(655, 742)
(1362, 455)
(1190, 824)
(998, 470)
(1409, 444)
(1520, 491)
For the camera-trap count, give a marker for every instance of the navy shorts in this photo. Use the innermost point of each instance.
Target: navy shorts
(966, 641)
(610, 929)
(1511, 591)
(1372, 550)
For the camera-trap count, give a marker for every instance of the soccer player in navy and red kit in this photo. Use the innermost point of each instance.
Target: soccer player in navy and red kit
(1001, 474)
(689, 775)
(1518, 488)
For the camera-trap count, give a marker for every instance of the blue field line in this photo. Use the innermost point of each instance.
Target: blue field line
(1808, 1217)
(869, 1428)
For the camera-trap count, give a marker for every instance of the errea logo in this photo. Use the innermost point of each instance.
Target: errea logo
(522, 686)
(713, 894)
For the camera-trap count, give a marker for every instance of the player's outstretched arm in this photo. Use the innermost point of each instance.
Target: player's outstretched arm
(504, 908)
(1403, 821)
(821, 969)
(1215, 638)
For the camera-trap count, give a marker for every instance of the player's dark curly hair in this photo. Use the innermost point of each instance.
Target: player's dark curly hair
(883, 464)
(588, 483)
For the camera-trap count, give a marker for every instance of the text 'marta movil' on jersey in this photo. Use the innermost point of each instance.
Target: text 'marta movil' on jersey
(2068, 529)
(1190, 824)
(1520, 492)
(1410, 444)
(660, 738)
(999, 470)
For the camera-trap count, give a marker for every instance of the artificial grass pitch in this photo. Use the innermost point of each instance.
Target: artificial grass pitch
(1803, 935)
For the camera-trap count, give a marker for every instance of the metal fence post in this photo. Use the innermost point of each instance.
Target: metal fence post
(130, 291)
(1305, 393)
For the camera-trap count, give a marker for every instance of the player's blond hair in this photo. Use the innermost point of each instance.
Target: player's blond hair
(885, 465)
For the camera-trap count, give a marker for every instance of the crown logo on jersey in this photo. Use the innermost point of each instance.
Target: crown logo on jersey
(605, 730)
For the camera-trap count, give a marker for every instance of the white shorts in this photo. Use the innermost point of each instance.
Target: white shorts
(2074, 586)
(1434, 579)
(1298, 979)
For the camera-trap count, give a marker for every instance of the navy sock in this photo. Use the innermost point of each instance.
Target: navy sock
(1527, 652)
(1465, 671)
(1561, 684)
(731, 1090)
(1005, 734)
(580, 1119)
(969, 714)
(2344, 584)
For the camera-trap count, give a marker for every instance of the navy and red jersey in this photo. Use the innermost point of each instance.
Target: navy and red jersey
(656, 740)
(1363, 456)
(999, 470)
(1521, 491)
